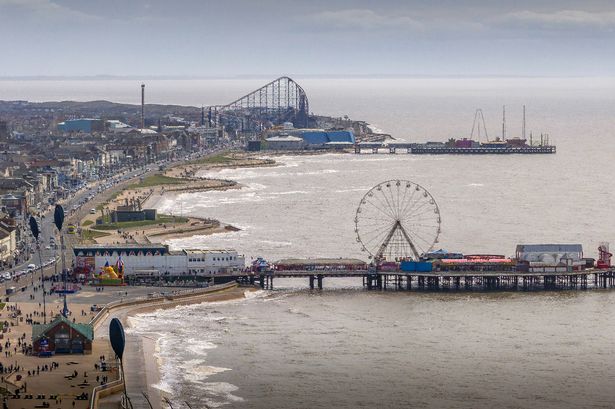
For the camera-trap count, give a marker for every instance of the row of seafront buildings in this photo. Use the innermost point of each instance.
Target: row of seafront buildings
(43, 160)
(157, 260)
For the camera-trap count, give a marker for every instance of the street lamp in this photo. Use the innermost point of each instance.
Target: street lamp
(35, 232)
(58, 220)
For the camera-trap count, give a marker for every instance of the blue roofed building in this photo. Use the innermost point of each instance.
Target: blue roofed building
(84, 125)
(319, 138)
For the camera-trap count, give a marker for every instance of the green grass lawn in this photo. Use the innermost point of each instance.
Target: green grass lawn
(160, 219)
(87, 223)
(214, 159)
(87, 234)
(157, 180)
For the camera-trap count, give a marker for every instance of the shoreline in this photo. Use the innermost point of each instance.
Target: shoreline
(142, 372)
(177, 179)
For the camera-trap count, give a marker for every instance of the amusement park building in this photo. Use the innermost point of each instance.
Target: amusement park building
(319, 137)
(85, 125)
(551, 257)
(157, 258)
(296, 139)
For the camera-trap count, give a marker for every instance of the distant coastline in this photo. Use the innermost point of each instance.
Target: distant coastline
(109, 77)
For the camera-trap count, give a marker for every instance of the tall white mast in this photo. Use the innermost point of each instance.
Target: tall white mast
(504, 123)
(523, 132)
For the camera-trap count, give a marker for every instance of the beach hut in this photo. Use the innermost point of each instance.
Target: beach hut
(62, 336)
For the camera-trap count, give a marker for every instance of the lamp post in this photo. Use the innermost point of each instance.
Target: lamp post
(35, 232)
(58, 220)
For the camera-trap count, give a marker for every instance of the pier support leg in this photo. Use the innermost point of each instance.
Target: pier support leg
(311, 282)
(319, 281)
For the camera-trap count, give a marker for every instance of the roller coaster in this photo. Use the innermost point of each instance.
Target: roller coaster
(281, 100)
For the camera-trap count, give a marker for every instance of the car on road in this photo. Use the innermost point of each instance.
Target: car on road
(31, 266)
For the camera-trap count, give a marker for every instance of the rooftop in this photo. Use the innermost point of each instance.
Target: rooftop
(120, 246)
(39, 330)
(549, 248)
(286, 138)
(323, 261)
(205, 251)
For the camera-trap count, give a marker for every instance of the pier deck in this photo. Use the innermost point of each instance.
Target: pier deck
(431, 281)
(422, 149)
(453, 280)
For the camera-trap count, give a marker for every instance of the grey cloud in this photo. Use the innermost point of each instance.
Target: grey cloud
(365, 19)
(559, 20)
(47, 9)
(237, 37)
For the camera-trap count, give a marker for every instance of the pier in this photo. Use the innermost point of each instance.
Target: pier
(425, 149)
(437, 281)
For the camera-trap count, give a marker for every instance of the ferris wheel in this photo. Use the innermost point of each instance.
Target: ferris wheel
(397, 219)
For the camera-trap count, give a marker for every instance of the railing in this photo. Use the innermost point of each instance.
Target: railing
(103, 313)
(106, 389)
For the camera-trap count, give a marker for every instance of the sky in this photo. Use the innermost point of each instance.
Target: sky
(228, 38)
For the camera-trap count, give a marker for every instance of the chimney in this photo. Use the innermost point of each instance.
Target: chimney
(142, 106)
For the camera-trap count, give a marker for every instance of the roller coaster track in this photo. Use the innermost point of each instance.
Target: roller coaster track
(276, 102)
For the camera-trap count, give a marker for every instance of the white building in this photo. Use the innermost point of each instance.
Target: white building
(551, 257)
(8, 243)
(158, 259)
(284, 143)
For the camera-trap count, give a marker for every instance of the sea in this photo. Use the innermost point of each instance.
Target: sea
(344, 347)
